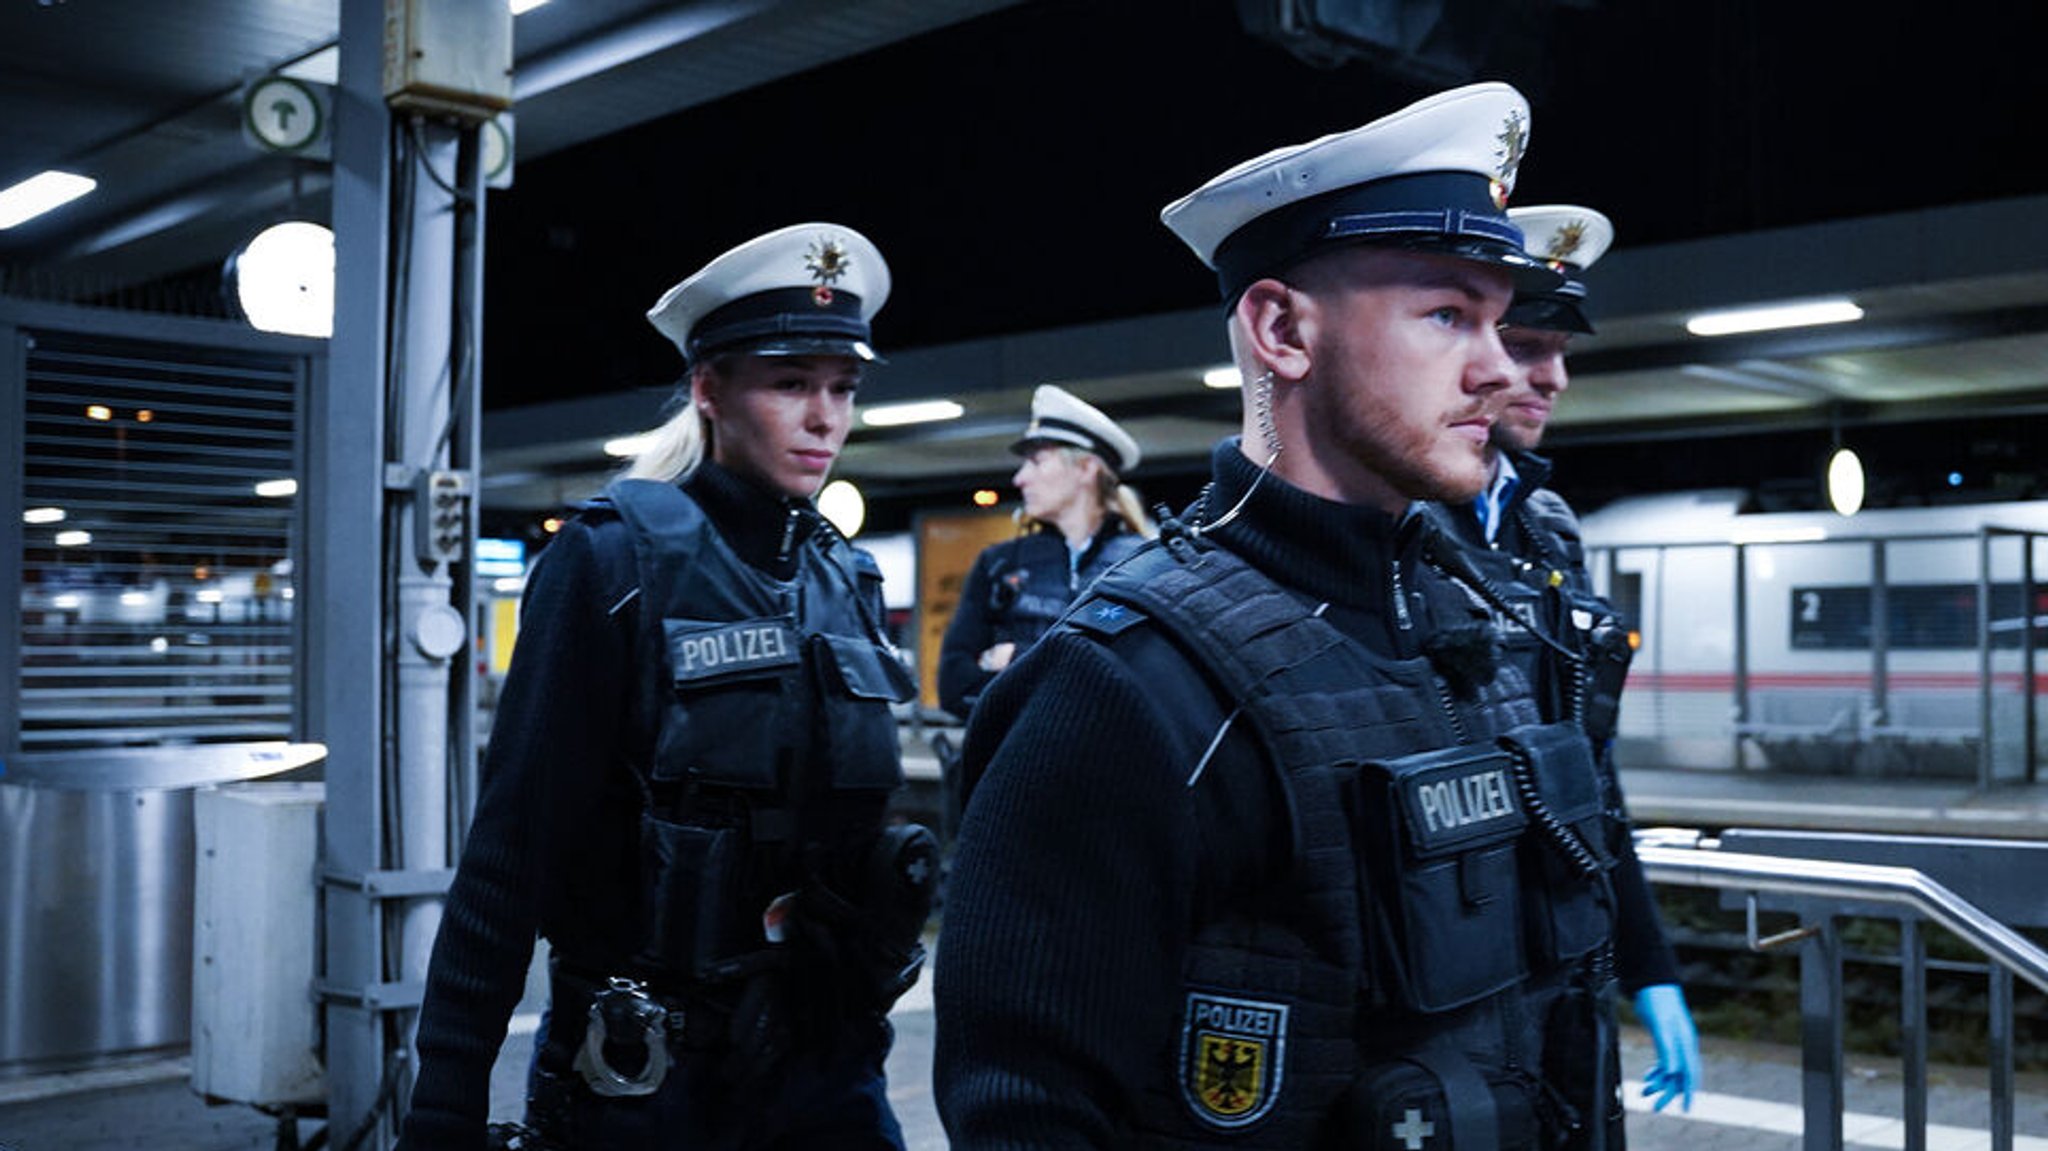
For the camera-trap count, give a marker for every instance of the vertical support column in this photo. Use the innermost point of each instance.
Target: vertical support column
(2000, 1056)
(344, 665)
(1913, 1030)
(1741, 651)
(2027, 683)
(1880, 633)
(430, 629)
(1985, 759)
(13, 400)
(1820, 1032)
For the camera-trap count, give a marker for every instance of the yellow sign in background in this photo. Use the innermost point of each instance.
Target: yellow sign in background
(946, 547)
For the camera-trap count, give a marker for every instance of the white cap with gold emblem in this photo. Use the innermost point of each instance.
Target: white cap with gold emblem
(1060, 417)
(804, 290)
(1434, 176)
(1568, 238)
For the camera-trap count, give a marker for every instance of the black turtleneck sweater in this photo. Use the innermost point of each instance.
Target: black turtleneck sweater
(552, 850)
(1080, 876)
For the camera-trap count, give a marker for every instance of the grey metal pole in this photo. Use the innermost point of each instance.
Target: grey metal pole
(345, 504)
(430, 629)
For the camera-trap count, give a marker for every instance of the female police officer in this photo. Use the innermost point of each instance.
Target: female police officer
(1085, 520)
(685, 788)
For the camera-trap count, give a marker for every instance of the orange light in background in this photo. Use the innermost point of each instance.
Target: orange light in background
(1635, 640)
(551, 525)
(202, 573)
(985, 497)
(144, 415)
(98, 412)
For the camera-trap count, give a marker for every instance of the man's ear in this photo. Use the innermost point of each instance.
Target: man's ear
(1278, 326)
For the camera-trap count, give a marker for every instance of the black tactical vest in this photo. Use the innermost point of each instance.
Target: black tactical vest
(1428, 930)
(1031, 581)
(775, 738)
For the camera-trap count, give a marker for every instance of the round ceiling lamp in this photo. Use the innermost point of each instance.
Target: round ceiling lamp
(1845, 482)
(842, 503)
(284, 279)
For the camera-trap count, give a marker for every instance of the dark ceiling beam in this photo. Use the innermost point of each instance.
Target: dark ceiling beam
(626, 43)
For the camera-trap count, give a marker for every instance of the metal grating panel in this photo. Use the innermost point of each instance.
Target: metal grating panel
(158, 609)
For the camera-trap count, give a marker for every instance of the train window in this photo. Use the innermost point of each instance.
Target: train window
(1919, 617)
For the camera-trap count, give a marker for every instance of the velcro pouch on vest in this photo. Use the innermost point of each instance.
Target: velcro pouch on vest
(729, 679)
(861, 682)
(1564, 860)
(691, 887)
(1437, 834)
(1441, 1101)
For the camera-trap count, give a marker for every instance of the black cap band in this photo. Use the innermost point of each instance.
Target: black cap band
(1048, 429)
(1449, 211)
(1561, 310)
(815, 312)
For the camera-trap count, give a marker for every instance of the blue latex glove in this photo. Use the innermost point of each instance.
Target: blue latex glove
(1661, 1007)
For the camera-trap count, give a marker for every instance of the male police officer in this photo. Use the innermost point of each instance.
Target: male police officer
(1524, 539)
(1269, 849)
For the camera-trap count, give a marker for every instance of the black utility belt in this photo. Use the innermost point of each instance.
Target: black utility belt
(695, 1020)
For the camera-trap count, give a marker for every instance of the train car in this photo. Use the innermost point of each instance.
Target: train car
(1897, 642)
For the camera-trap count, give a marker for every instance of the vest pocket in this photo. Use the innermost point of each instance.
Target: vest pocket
(731, 687)
(691, 891)
(861, 682)
(1566, 860)
(1437, 834)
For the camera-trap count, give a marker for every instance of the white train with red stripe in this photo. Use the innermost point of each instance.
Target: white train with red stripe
(1896, 642)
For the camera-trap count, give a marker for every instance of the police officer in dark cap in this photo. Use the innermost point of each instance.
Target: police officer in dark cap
(686, 781)
(1524, 539)
(1081, 518)
(1270, 848)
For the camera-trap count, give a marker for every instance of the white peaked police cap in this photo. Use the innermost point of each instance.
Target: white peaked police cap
(1060, 417)
(1434, 176)
(808, 289)
(1568, 238)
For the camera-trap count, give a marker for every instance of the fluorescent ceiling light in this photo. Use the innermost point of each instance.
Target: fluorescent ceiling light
(277, 489)
(1226, 376)
(625, 446)
(43, 516)
(522, 7)
(41, 193)
(73, 538)
(921, 412)
(1774, 316)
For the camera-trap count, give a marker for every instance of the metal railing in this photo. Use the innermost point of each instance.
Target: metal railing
(1823, 892)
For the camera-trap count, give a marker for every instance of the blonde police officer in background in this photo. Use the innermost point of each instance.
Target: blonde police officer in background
(685, 786)
(1080, 520)
(1524, 539)
(1269, 849)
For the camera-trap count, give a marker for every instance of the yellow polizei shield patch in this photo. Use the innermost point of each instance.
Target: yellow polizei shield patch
(1231, 1058)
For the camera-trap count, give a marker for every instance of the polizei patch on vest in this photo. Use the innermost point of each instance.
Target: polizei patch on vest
(1231, 1053)
(1465, 799)
(699, 650)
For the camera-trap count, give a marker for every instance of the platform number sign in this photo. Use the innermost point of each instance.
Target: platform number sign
(282, 114)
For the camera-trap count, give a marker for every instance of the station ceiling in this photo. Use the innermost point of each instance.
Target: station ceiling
(1010, 156)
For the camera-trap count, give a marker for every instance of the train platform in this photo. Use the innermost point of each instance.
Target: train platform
(1710, 798)
(1750, 1101)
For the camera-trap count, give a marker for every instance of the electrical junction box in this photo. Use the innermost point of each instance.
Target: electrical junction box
(448, 57)
(255, 919)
